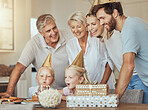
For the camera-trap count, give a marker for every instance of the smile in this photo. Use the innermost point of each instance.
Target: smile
(77, 34)
(93, 32)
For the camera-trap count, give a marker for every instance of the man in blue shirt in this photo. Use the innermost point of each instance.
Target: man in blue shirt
(134, 33)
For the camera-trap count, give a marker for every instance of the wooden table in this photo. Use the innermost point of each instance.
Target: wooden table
(121, 106)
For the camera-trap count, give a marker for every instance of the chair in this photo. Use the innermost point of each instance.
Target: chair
(130, 96)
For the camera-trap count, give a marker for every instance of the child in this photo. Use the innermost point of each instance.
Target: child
(74, 74)
(45, 77)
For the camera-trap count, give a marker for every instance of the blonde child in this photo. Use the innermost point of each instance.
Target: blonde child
(44, 78)
(74, 75)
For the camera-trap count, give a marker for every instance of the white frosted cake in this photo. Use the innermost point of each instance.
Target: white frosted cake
(49, 98)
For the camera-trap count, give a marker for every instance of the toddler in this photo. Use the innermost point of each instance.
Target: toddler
(44, 78)
(73, 75)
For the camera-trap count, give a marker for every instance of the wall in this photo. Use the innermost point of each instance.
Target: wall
(22, 13)
(21, 32)
(60, 9)
(135, 8)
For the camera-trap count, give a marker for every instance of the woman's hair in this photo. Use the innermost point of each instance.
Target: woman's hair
(81, 72)
(90, 14)
(42, 21)
(78, 16)
(48, 68)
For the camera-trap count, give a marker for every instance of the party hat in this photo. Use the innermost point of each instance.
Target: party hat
(48, 61)
(79, 60)
(96, 2)
(106, 1)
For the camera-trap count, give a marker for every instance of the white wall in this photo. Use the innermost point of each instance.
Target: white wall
(60, 9)
(135, 8)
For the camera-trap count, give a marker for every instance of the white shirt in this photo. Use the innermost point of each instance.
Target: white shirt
(33, 90)
(114, 48)
(95, 58)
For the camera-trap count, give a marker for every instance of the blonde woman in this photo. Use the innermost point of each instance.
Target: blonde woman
(96, 59)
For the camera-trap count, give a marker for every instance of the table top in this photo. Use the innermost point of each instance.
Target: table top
(121, 106)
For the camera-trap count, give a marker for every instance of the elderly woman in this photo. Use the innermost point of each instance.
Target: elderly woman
(96, 59)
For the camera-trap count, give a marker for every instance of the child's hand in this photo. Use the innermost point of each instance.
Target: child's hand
(39, 89)
(43, 87)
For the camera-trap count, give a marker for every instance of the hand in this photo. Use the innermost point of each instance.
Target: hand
(4, 95)
(43, 87)
(39, 89)
(63, 98)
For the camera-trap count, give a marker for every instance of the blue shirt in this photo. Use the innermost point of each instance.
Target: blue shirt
(135, 39)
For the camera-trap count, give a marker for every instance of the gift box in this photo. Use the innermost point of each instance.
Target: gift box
(92, 90)
(111, 100)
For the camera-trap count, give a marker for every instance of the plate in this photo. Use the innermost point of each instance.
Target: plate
(29, 101)
(38, 105)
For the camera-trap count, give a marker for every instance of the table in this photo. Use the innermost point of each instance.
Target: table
(121, 106)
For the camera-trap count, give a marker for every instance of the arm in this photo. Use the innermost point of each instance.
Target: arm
(14, 77)
(125, 73)
(63, 96)
(108, 66)
(106, 75)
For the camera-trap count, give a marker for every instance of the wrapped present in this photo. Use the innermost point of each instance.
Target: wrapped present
(111, 100)
(92, 90)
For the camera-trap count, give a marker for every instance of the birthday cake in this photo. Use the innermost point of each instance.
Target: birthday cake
(49, 98)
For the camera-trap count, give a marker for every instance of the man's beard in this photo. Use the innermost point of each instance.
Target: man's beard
(111, 24)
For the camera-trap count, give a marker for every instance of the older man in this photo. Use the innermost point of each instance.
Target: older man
(49, 39)
(134, 34)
